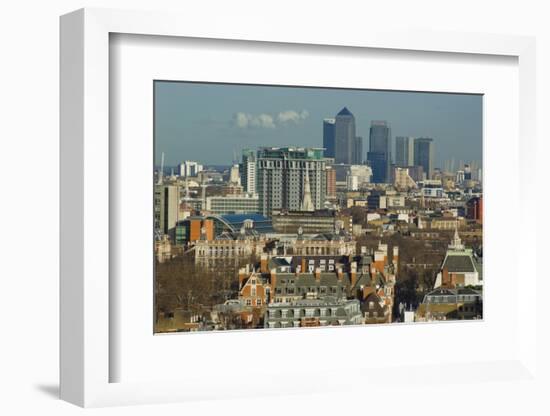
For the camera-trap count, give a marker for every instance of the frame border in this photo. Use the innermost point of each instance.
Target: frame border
(84, 175)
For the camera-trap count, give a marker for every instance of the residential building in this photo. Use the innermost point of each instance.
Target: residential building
(313, 312)
(189, 168)
(331, 183)
(290, 178)
(248, 171)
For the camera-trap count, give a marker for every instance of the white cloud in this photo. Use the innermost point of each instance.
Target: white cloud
(291, 116)
(244, 120)
(267, 121)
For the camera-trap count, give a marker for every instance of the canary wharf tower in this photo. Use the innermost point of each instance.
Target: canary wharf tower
(344, 137)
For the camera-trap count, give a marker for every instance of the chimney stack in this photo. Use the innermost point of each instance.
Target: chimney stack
(273, 280)
(263, 263)
(317, 274)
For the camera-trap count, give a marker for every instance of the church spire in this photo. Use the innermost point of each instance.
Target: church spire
(456, 242)
(307, 204)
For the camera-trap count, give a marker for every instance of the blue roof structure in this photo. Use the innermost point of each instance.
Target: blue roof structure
(344, 112)
(234, 222)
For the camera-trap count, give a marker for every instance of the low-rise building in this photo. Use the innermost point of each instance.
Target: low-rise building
(460, 267)
(444, 304)
(313, 312)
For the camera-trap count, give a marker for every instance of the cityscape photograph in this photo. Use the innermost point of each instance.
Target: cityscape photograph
(300, 207)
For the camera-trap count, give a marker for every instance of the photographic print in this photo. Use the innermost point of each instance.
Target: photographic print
(300, 207)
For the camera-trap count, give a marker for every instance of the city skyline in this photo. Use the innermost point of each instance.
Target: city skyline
(210, 122)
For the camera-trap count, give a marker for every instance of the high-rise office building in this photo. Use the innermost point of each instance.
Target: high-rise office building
(329, 136)
(357, 157)
(404, 151)
(166, 208)
(281, 179)
(424, 154)
(379, 155)
(248, 171)
(344, 137)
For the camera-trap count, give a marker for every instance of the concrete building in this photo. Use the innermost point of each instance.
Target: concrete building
(233, 204)
(358, 177)
(319, 221)
(234, 175)
(331, 183)
(189, 168)
(402, 180)
(166, 208)
(248, 171)
(281, 179)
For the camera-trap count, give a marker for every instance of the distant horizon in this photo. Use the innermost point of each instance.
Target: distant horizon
(210, 123)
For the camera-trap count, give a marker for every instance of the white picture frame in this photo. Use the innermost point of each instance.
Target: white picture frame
(86, 354)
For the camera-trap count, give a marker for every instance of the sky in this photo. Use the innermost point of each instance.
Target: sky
(209, 122)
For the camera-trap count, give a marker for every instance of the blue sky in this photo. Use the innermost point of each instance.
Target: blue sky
(208, 122)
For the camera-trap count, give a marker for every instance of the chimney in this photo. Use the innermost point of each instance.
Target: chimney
(273, 280)
(445, 278)
(353, 273)
(317, 274)
(263, 263)
(303, 268)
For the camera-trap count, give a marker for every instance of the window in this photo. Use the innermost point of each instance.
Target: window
(249, 302)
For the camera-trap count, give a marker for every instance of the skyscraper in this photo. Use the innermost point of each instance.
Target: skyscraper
(424, 154)
(404, 151)
(166, 208)
(344, 137)
(379, 155)
(358, 151)
(281, 179)
(248, 171)
(329, 136)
